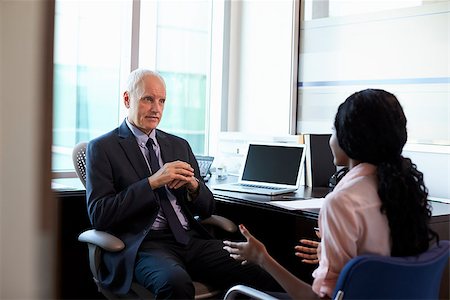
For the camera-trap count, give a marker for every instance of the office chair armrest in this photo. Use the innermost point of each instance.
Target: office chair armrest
(101, 239)
(238, 290)
(221, 222)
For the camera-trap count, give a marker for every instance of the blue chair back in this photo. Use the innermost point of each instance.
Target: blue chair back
(381, 277)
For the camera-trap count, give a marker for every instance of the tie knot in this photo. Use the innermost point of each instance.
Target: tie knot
(150, 143)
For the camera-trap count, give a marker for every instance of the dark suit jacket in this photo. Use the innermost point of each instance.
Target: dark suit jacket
(121, 201)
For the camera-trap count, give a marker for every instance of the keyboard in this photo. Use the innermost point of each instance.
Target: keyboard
(253, 186)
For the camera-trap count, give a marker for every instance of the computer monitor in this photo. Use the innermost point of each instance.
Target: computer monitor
(319, 160)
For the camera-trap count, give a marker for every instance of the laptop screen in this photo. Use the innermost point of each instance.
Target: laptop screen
(279, 164)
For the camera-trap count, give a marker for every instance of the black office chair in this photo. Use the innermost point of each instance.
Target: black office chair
(381, 277)
(99, 241)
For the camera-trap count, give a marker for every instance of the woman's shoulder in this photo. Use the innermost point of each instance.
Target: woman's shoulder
(358, 186)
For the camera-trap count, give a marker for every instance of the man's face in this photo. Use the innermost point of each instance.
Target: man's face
(146, 112)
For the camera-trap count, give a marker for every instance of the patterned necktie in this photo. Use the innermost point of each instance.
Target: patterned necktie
(174, 223)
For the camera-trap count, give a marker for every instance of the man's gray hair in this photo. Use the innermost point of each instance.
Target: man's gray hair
(135, 85)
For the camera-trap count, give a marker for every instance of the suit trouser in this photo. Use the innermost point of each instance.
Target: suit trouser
(168, 268)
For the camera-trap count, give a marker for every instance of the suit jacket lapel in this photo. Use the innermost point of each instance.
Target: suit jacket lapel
(128, 142)
(167, 150)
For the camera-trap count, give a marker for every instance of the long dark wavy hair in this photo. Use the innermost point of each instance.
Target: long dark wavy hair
(371, 127)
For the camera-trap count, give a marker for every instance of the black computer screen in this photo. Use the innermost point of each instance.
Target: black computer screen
(272, 164)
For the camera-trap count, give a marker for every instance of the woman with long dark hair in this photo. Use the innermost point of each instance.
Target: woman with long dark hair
(380, 206)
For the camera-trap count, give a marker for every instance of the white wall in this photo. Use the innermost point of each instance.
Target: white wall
(27, 210)
(260, 66)
(434, 163)
(404, 51)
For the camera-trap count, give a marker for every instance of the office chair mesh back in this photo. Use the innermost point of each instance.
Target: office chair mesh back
(382, 277)
(79, 161)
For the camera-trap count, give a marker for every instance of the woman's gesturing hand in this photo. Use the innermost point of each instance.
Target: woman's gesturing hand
(308, 251)
(250, 251)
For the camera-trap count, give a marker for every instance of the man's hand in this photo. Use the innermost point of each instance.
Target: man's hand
(175, 175)
(193, 185)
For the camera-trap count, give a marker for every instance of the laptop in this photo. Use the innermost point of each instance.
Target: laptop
(269, 169)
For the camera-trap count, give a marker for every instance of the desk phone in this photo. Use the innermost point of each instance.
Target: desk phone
(204, 163)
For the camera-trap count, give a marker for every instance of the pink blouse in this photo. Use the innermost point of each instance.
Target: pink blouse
(350, 224)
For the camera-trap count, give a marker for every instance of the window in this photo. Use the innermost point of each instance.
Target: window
(181, 44)
(88, 62)
(399, 46)
(95, 51)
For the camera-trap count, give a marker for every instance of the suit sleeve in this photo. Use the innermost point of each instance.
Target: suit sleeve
(203, 204)
(112, 202)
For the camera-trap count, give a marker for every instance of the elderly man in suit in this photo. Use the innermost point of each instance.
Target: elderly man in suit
(143, 185)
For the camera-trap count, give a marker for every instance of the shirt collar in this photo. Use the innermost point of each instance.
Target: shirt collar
(362, 169)
(140, 136)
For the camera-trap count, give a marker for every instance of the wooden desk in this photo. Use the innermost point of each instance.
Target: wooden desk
(278, 228)
(75, 278)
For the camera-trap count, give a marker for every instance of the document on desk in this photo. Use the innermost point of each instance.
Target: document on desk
(299, 204)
